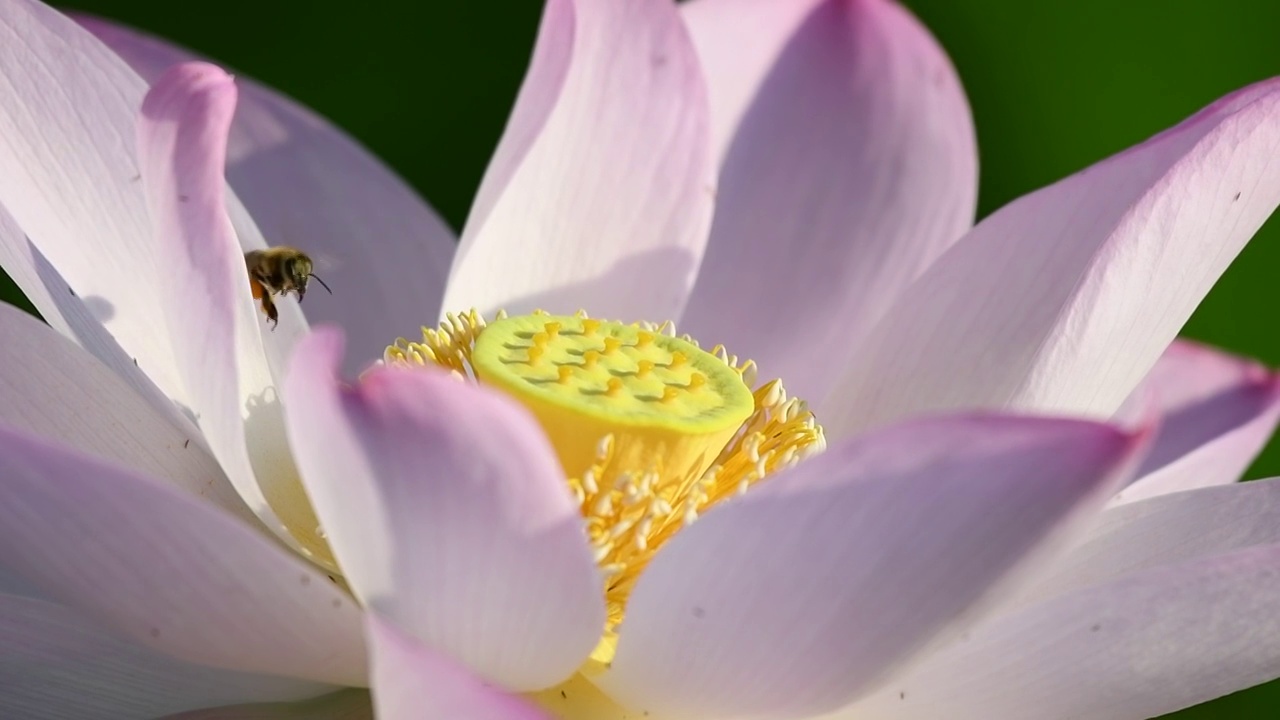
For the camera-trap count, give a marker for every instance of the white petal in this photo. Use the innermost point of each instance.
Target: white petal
(1145, 645)
(1065, 298)
(599, 195)
(167, 571)
(52, 388)
(1166, 530)
(71, 179)
(56, 666)
(70, 315)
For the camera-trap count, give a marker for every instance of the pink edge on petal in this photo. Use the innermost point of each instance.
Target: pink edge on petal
(410, 681)
(1218, 411)
(449, 513)
(182, 137)
(810, 591)
(600, 193)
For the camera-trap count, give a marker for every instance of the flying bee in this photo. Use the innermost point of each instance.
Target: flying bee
(277, 271)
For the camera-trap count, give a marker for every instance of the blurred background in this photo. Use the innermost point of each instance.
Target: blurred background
(1054, 85)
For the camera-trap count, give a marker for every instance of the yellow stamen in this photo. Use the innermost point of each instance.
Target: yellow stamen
(651, 430)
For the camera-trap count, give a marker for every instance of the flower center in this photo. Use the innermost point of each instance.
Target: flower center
(650, 429)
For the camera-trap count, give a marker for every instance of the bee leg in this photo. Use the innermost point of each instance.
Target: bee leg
(269, 307)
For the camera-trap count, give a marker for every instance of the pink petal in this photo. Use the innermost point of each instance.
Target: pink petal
(167, 571)
(853, 168)
(343, 705)
(51, 388)
(70, 175)
(411, 681)
(53, 664)
(449, 514)
(182, 144)
(1064, 299)
(308, 184)
(803, 595)
(599, 195)
(1165, 530)
(1219, 411)
(738, 43)
(1142, 646)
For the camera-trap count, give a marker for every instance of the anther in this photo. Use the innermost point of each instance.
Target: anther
(590, 358)
(643, 368)
(669, 394)
(611, 344)
(589, 326)
(678, 359)
(644, 338)
(697, 380)
(535, 353)
(552, 329)
(613, 388)
(565, 373)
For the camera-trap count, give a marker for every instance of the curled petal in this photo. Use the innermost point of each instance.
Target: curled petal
(182, 136)
(310, 185)
(449, 514)
(1218, 413)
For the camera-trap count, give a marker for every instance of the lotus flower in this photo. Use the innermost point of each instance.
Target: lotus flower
(1026, 504)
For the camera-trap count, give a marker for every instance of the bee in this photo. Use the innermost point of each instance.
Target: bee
(277, 271)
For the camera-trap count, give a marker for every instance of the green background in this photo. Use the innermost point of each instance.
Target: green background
(1055, 86)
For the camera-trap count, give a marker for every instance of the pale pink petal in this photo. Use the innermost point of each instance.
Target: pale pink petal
(1064, 299)
(853, 168)
(343, 705)
(1165, 530)
(70, 179)
(807, 592)
(1142, 646)
(52, 388)
(449, 514)
(56, 666)
(1219, 411)
(169, 572)
(308, 184)
(411, 681)
(738, 41)
(68, 313)
(182, 143)
(600, 194)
